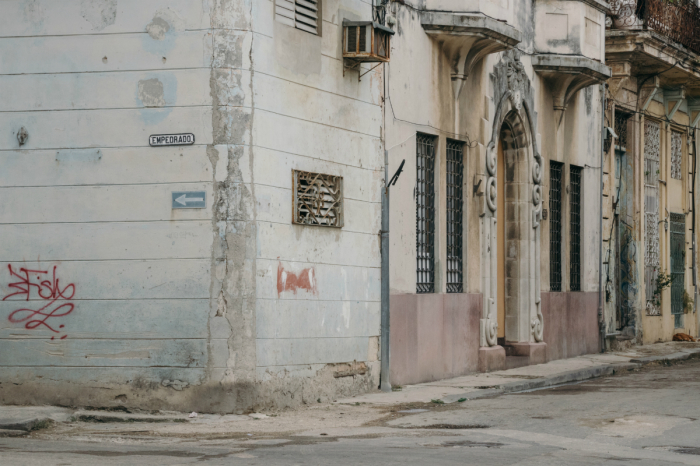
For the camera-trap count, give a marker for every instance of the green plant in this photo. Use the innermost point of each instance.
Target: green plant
(438, 402)
(663, 280)
(687, 302)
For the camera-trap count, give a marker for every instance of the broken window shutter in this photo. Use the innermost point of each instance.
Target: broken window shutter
(301, 14)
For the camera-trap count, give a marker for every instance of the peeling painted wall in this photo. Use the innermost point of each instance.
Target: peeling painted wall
(181, 309)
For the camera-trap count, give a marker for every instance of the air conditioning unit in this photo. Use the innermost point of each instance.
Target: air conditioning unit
(366, 41)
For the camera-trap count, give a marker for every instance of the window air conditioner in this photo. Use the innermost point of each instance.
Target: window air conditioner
(366, 41)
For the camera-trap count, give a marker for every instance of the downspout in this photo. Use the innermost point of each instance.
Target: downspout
(385, 385)
(695, 251)
(601, 317)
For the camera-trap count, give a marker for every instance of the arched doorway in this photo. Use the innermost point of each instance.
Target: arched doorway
(512, 314)
(514, 231)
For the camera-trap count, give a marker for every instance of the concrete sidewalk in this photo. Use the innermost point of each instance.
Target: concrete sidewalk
(354, 412)
(532, 377)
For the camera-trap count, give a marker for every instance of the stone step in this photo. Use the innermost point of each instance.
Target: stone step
(517, 361)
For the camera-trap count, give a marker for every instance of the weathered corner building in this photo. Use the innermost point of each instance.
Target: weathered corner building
(496, 108)
(650, 174)
(119, 290)
(192, 195)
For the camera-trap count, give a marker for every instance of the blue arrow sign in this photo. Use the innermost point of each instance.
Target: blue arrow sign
(189, 199)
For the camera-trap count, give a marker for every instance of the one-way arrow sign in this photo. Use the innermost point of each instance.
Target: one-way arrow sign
(189, 199)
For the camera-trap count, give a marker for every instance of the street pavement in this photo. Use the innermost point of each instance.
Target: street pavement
(647, 415)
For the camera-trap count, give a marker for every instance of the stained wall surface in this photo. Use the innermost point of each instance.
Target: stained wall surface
(113, 297)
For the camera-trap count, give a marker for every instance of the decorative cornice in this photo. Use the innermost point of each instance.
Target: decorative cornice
(567, 74)
(466, 38)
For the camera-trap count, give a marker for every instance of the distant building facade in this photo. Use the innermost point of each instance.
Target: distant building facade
(650, 174)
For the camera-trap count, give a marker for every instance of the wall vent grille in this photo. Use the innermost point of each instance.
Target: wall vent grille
(318, 199)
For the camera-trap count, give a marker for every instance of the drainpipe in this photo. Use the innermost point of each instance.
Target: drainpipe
(384, 383)
(695, 251)
(385, 386)
(601, 317)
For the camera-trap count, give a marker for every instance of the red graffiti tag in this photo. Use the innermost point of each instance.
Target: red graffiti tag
(289, 281)
(47, 289)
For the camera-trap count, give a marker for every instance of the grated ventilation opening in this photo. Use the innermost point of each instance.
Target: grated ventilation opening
(318, 199)
(363, 39)
(352, 39)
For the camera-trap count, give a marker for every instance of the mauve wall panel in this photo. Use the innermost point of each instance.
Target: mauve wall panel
(570, 324)
(433, 336)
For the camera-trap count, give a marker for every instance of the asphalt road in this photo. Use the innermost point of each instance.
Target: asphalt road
(650, 417)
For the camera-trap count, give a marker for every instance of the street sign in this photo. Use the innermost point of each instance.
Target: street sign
(189, 199)
(183, 139)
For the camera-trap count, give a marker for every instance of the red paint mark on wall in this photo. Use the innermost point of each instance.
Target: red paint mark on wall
(290, 281)
(54, 301)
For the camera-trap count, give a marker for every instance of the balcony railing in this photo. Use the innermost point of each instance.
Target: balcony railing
(679, 20)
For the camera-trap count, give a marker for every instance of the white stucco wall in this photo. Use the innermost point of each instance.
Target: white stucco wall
(308, 116)
(169, 303)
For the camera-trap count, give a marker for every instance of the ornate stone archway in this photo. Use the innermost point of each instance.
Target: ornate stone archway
(515, 123)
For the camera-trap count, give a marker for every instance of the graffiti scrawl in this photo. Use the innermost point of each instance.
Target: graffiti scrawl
(54, 301)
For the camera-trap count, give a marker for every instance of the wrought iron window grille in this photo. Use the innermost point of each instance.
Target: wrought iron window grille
(425, 213)
(455, 203)
(652, 131)
(677, 267)
(621, 120)
(318, 199)
(575, 228)
(555, 192)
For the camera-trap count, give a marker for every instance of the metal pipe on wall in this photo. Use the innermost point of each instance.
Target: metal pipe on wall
(601, 317)
(695, 243)
(385, 385)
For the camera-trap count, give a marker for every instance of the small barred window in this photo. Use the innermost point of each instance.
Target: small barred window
(555, 195)
(575, 228)
(318, 199)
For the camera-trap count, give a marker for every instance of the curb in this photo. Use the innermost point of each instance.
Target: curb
(22, 426)
(102, 416)
(4, 433)
(673, 357)
(25, 426)
(559, 379)
(573, 376)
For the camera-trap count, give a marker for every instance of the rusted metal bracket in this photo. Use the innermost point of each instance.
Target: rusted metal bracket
(353, 65)
(359, 78)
